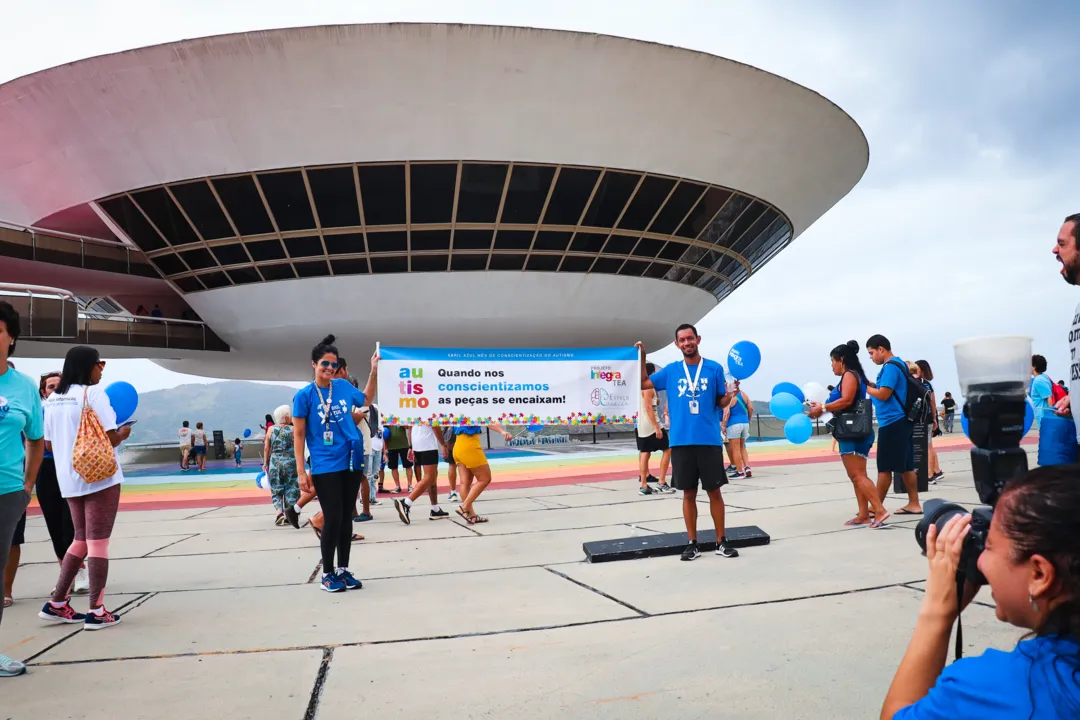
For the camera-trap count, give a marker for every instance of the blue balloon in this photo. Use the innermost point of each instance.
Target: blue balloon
(798, 429)
(535, 428)
(792, 388)
(247, 433)
(743, 359)
(124, 400)
(785, 405)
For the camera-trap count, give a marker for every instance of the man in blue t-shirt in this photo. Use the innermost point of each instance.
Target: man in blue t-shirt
(696, 388)
(895, 442)
(1041, 390)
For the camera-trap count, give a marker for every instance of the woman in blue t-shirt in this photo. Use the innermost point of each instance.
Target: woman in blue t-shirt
(322, 421)
(853, 453)
(1031, 561)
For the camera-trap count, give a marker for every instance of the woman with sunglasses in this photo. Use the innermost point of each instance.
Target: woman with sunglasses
(322, 422)
(93, 505)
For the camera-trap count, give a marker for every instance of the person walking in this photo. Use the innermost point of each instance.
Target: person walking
(397, 453)
(21, 448)
(920, 370)
(280, 469)
(78, 398)
(651, 438)
(198, 446)
(735, 425)
(425, 443)
(895, 448)
(368, 428)
(695, 387)
(948, 412)
(54, 508)
(853, 453)
(449, 440)
(184, 436)
(469, 454)
(322, 422)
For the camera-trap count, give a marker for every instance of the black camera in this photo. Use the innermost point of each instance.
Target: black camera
(995, 414)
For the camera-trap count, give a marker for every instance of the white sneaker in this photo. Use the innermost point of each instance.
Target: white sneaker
(453, 497)
(82, 582)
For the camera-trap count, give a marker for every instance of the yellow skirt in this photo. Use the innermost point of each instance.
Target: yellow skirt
(468, 452)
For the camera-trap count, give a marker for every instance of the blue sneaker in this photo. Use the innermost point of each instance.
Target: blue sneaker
(99, 622)
(363, 517)
(63, 614)
(11, 668)
(347, 579)
(332, 583)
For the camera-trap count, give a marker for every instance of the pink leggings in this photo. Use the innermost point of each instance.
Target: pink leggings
(93, 517)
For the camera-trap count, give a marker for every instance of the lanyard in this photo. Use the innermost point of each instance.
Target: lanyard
(326, 404)
(697, 376)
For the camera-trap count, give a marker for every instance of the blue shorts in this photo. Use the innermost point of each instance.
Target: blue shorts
(857, 447)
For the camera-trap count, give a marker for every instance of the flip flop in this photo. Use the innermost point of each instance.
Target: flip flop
(905, 511)
(880, 523)
(357, 538)
(8, 602)
(855, 521)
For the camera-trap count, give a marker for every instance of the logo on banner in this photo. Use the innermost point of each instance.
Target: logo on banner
(603, 398)
(412, 393)
(604, 373)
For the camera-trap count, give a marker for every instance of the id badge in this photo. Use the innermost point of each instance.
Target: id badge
(328, 437)
(693, 407)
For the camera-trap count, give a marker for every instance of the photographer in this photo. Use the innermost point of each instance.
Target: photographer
(1031, 561)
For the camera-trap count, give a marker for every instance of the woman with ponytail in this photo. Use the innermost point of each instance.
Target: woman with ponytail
(322, 422)
(853, 453)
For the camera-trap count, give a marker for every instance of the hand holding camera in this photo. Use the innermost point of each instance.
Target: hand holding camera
(943, 552)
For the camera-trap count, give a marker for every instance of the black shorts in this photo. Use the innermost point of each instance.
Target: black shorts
(426, 458)
(693, 463)
(652, 444)
(20, 531)
(394, 456)
(895, 447)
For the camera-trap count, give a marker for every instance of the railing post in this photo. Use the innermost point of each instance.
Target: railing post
(129, 324)
(594, 434)
(166, 333)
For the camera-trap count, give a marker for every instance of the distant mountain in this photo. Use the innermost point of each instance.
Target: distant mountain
(231, 406)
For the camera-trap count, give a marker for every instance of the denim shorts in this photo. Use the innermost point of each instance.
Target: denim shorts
(857, 447)
(738, 431)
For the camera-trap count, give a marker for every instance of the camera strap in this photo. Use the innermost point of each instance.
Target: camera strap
(959, 649)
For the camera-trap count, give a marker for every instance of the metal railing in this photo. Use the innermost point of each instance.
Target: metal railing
(51, 313)
(53, 316)
(26, 242)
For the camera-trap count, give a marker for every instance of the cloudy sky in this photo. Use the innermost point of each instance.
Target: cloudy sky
(969, 108)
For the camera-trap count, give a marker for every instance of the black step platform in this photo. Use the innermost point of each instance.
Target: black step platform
(655, 545)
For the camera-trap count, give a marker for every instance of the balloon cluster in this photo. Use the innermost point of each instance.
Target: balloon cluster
(787, 404)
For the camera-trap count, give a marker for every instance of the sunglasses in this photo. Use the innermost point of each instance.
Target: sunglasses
(101, 364)
(328, 364)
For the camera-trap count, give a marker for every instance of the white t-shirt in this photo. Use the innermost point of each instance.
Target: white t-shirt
(185, 437)
(62, 415)
(645, 427)
(365, 434)
(1074, 369)
(198, 437)
(423, 439)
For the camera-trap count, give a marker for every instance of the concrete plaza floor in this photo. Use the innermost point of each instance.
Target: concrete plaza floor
(222, 617)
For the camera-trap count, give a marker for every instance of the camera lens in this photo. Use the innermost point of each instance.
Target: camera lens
(936, 512)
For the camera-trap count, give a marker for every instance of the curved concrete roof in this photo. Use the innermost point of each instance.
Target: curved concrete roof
(304, 96)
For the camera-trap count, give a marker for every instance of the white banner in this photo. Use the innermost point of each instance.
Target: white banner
(452, 386)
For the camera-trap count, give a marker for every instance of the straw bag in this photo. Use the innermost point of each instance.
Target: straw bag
(93, 456)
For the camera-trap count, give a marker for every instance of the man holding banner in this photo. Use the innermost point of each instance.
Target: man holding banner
(695, 387)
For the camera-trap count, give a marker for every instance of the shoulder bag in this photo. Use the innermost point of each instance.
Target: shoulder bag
(93, 456)
(856, 422)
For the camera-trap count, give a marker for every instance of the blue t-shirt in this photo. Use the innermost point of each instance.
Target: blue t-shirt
(307, 405)
(1042, 393)
(891, 410)
(704, 427)
(737, 414)
(21, 416)
(1024, 683)
(836, 393)
(468, 430)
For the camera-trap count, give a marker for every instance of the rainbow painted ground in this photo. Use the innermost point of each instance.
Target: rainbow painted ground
(155, 488)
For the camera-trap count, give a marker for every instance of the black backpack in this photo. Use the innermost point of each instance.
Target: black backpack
(918, 406)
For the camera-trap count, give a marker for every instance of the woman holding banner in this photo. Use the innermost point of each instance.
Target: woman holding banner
(469, 454)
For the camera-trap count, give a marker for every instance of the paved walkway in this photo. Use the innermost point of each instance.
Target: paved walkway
(222, 619)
